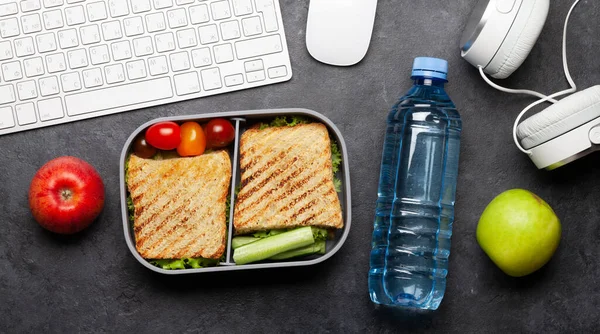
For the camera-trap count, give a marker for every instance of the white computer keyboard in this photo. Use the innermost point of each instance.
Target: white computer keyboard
(67, 60)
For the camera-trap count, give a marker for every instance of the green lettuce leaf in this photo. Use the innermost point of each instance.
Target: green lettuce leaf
(336, 157)
(186, 263)
(283, 121)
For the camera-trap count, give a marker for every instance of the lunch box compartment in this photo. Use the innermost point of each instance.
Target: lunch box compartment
(241, 120)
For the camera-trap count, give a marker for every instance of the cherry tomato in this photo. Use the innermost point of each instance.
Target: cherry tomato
(164, 135)
(193, 141)
(219, 133)
(142, 149)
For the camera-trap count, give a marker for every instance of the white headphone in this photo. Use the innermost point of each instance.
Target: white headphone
(497, 39)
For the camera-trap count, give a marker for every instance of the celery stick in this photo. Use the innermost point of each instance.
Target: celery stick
(240, 241)
(267, 247)
(317, 248)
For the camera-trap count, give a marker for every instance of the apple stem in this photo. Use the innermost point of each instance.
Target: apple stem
(66, 194)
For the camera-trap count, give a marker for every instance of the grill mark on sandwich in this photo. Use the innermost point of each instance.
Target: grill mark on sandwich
(193, 210)
(304, 208)
(306, 221)
(160, 224)
(261, 170)
(249, 193)
(287, 192)
(269, 137)
(169, 245)
(152, 202)
(164, 223)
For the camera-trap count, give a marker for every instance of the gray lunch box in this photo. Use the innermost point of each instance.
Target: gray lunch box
(239, 119)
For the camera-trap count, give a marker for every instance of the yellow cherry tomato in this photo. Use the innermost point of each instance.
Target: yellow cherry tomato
(193, 140)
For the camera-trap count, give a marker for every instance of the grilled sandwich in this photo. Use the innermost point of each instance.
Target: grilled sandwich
(180, 205)
(287, 180)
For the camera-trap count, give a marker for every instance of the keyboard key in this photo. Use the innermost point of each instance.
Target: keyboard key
(267, 8)
(7, 94)
(140, 6)
(53, 19)
(96, 11)
(223, 53)
(31, 23)
(27, 90)
(199, 14)
(111, 30)
(186, 38)
(53, 3)
(211, 78)
(121, 50)
(89, 34)
(258, 46)
(24, 47)
(70, 82)
(255, 76)
(74, 15)
(234, 80)
(46, 42)
(230, 30)
(6, 118)
(33, 67)
(118, 8)
(25, 113)
(99, 54)
(143, 46)
(12, 71)
(50, 109)
(180, 61)
(133, 26)
(9, 27)
(30, 5)
(68, 38)
(165, 42)
(186, 83)
(114, 73)
(253, 65)
(77, 58)
(183, 2)
(56, 63)
(220, 10)
(136, 69)
(118, 96)
(252, 26)
(48, 86)
(158, 65)
(92, 78)
(5, 50)
(155, 22)
(208, 34)
(160, 4)
(201, 57)
(242, 7)
(177, 18)
(74, 1)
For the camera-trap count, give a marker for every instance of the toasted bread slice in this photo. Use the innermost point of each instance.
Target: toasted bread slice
(180, 205)
(287, 180)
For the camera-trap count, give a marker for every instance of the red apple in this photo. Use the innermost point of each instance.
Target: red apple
(66, 195)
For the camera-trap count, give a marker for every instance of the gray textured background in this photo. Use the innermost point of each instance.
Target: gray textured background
(90, 282)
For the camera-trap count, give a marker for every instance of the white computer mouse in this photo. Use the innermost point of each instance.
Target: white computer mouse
(338, 32)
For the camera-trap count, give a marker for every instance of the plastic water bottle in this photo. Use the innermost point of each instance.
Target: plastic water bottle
(417, 185)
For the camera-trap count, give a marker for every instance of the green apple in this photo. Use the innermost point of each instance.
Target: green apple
(519, 232)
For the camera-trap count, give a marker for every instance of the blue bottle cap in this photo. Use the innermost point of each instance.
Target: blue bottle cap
(430, 68)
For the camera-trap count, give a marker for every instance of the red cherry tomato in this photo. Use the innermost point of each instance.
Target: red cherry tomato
(219, 133)
(193, 141)
(164, 135)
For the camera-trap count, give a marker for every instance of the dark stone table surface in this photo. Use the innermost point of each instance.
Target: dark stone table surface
(91, 283)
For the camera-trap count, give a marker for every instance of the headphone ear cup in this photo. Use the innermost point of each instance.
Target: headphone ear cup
(562, 117)
(518, 43)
